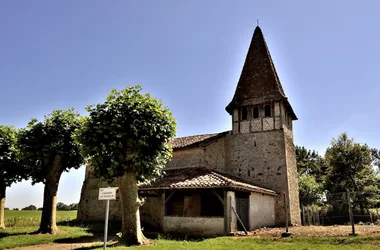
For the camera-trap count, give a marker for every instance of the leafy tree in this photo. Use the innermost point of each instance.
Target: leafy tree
(10, 169)
(48, 149)
(349, 167)
(126, 139)
(376, 158)
(62, 206)
(15, 209)
(30, 207)
(311, 169)
(310, 191)
(310, 162)
(73, 206)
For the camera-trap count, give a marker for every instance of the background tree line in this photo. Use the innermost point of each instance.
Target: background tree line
(60, 207)
(346, 165)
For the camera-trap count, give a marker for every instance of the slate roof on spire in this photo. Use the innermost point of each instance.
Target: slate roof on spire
(259, 82)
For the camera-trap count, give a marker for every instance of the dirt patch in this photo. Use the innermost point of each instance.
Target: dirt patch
(318, 231)
(55, 246)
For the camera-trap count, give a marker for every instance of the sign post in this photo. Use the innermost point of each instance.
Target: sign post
(107, 194)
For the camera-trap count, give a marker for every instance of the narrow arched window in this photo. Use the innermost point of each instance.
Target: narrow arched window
(244, 113)
(268, 111)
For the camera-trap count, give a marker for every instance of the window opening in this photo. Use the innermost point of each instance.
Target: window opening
(255, 112)
(244, 114)
(268, 111)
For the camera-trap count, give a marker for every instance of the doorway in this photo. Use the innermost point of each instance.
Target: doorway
(242, 209)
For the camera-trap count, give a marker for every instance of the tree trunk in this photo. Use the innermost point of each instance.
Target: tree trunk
(48, 223)
(2, 205)
(130, 202)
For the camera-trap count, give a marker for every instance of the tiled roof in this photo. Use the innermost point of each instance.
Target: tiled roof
(259, 82)
(183, 142)
(200, 177)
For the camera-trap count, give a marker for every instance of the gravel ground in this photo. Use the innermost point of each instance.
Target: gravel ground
(318, 231)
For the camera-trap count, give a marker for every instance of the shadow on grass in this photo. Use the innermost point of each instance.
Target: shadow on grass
(5, 234)
(82, 239)
(97, 246)
(114, 227)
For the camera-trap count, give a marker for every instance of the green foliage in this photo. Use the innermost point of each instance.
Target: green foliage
(41, 142)
(349, 167)
(310, 163)
(310, 191)
(10, 169)
(30, 207)
(376, 158)
(128, 132)
(63, 207)
(311, 169)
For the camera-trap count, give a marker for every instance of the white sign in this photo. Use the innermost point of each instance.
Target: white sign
(107, 193)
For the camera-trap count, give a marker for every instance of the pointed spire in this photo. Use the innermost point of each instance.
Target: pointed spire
(259, 82)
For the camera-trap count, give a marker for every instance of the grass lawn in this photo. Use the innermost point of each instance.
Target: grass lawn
(24, 218)
(23, 236)
(22, 224)
(242, 243)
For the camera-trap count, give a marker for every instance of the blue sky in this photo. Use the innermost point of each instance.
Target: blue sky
(61, 54)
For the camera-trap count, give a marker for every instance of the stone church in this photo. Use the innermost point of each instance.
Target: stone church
(217, 184)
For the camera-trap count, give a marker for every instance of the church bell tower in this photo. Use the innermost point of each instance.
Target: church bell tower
(261, 148)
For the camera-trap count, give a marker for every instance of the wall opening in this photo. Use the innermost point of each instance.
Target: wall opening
(195, 203)
(242, 208)
(244, 113)
(267, 111)
(255, 112)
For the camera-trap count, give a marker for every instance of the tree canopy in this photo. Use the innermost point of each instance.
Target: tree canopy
(10, 168)
(47, 149)
(128, 132)
(350, 167)
(40, 142)
(347, 165)
(126, 138)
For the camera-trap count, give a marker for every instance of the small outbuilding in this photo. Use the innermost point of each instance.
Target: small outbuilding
(200, 201)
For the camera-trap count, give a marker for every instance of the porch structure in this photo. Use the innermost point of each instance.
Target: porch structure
(200, 201)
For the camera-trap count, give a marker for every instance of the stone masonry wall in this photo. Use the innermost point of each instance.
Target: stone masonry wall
(295, 217)
(183, 158)
(260, 159)
(214, 155)
(89, 207)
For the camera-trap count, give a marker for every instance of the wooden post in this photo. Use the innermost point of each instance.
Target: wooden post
(241, 223)
(163, 210)
(323, 217)
(350, 212)
(287, 214)
(286, 234)
(318, 219)
(226, 214)
(303, 216)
